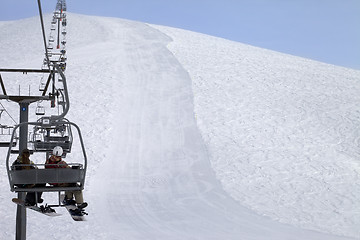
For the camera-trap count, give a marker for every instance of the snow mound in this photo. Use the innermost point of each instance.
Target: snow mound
(195, 137)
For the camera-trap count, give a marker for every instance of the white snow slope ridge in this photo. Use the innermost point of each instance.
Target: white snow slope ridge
(195, 137)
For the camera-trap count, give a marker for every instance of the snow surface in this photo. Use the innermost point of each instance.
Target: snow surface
(195, 137)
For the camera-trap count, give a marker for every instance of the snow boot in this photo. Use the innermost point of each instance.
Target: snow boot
(82, 205)
(69, 202)
(77, 212)
(46, 209)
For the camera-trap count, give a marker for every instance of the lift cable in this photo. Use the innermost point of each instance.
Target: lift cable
(8, 113)
(43, 33)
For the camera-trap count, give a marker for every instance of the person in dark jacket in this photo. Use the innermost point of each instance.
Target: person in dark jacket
(23, 162)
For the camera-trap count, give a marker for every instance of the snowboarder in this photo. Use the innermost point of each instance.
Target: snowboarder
(23, 162)
(55, 161)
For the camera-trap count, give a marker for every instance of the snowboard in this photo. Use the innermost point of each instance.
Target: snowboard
(75, 217)
(42, 209)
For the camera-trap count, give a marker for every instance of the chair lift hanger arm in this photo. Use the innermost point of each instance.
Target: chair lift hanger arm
(67, 100)
(2, 86)
(47, 83)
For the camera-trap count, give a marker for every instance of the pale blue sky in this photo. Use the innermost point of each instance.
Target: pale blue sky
(323, 30)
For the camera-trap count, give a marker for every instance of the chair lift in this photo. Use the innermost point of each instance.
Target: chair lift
(45, 138)
(62, 66)
(40, 110)
(42, 86)
(5, 133)
(19, 179)
(63, 59)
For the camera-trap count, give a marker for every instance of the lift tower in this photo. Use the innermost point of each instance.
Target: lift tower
(54, 130)
(24, 102)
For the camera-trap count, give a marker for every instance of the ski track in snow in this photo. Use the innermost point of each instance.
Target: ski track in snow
(152, 172)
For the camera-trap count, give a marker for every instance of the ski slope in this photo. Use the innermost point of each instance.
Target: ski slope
(194, 137)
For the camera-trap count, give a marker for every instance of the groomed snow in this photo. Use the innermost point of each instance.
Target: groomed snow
(195, 137)
(283, 131)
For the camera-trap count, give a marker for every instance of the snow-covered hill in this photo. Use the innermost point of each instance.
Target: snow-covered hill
(195, 137)
(280, 127)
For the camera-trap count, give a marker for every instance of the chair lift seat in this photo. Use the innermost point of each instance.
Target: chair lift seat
(7, 144)
(4, 144)
(49, 175)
